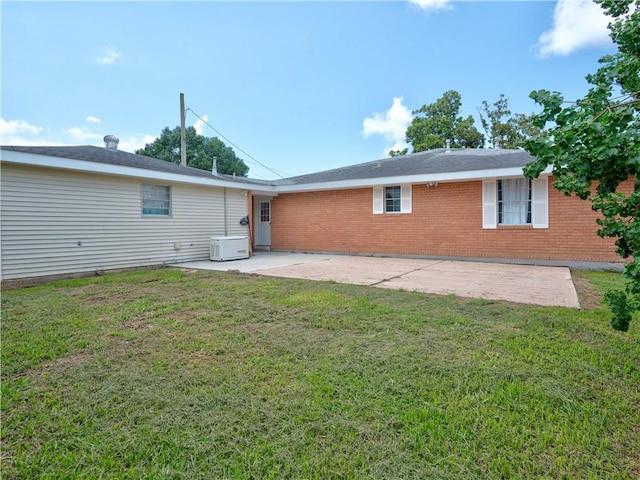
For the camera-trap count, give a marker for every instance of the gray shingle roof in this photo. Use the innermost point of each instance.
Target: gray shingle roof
(423, 163)
(120, 158)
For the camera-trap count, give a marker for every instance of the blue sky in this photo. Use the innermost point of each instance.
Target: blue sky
(299, 86)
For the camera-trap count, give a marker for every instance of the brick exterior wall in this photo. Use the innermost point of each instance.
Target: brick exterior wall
(446, 220)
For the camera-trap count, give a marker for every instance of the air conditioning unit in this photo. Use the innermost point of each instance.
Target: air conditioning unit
(228, 248)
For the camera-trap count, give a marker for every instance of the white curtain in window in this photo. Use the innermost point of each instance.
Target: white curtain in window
(515, 201)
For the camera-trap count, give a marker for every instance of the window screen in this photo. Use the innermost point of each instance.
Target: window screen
(156, 200)
(392, 199)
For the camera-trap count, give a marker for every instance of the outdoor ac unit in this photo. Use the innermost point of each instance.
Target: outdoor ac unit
(228, 248)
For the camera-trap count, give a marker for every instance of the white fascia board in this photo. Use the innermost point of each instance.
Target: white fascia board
(262, 192)
(464, 176)
(30, 159)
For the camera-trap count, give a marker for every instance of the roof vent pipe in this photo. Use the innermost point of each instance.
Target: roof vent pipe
(448, 143)
(111, 142)
(496, 143)
(214, 165)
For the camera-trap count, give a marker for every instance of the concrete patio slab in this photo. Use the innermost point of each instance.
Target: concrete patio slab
(260, 261)
(370, 271)
(531, 284)
(548, 286)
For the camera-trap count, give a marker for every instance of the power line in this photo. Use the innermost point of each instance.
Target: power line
(230, 142)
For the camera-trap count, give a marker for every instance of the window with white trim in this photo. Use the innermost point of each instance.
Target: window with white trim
(156, 200)
(392, 199)
(514, 201)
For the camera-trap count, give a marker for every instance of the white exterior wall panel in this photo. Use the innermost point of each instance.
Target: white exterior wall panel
(236, 210)
(57, 222)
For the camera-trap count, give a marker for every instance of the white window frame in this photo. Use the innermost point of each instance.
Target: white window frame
(379, 199)
(539, 203)
(149, 194)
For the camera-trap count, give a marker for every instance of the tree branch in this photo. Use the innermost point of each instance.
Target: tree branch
(619, 104)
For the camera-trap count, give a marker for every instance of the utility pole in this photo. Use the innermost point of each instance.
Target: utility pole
(183, 134)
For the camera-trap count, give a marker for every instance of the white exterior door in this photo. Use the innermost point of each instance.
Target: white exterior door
(262, 223)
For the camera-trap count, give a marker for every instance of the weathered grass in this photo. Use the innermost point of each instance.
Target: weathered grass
(167, 374)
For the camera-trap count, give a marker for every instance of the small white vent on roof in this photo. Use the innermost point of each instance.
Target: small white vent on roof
(111, 142)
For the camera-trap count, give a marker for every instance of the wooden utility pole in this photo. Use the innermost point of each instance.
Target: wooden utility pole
(183, 134)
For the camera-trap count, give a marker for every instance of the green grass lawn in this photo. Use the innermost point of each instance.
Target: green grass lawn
(167, 374)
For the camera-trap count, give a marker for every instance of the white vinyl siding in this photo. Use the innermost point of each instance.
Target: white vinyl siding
(392, 199)
(539, 203)
(237, 209)
(58, 222)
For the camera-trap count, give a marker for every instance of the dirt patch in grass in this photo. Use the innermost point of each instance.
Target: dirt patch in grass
(136, 324)
(54, 367)
(588, 296)
(66, 363)
(108, 298)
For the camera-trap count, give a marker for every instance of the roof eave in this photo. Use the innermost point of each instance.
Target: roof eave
(22, 158)
(48, 161)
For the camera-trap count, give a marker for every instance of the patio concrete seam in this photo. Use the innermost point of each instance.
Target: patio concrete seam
(400, 275)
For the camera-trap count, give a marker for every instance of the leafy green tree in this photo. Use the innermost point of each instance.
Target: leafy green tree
(438, 122)
(594, 146)
(200, 151)
(398, 153)
(500, 124)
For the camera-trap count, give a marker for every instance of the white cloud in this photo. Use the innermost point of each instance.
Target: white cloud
(200, 124)
(396, 146)
(21, 132)
(391, 125)
(577, 24)
(132, 143)
(432, 4)
(92, 119)
(18, 132)
(83, 136)
(17, 127)
(110, 56)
